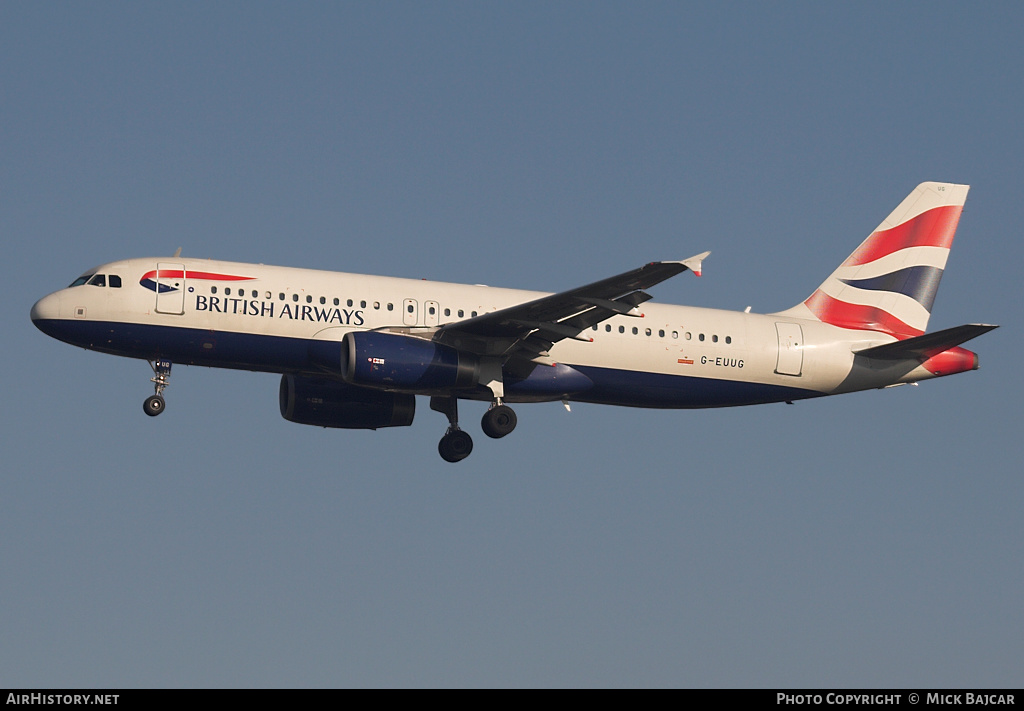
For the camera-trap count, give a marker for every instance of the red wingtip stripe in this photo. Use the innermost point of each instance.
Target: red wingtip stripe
(857, 316)
(934, 228)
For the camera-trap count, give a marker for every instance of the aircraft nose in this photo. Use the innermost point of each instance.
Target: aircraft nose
(46, 309)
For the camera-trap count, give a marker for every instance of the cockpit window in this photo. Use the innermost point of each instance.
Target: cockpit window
(113, 280)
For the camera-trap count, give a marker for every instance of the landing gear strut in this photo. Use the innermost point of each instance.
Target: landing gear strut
(456, 444)
(154, 404)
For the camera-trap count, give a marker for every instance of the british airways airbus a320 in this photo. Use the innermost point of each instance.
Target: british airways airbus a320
(354, 351)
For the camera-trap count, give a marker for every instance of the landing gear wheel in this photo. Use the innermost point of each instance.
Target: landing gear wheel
(498, 421)
(153, 405)
(455, 446)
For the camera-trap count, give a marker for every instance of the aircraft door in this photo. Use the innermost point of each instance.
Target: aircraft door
(170, 288)
(791, 349)
(410, 310)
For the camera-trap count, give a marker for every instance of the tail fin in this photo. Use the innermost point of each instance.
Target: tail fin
(888, 284)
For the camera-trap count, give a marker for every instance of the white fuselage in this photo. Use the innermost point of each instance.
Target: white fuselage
(257, 317)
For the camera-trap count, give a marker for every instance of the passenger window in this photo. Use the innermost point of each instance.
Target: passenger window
(447, 312)
(636, 331)
(648, 331)
(391, 307)
(622, 329)
(337, 301)
(675, 334)
(227, 291)
(432, 310)
(281, 296)
(608, 327)
(115, 281)
(309, 298)
(362, 304)
(714, 339)
(474, 314)
(728, 339)
(461, 313)
(700, 338)
(661, 333)
(410, 308)
(349, 302)
(323, 300)
(295, 297)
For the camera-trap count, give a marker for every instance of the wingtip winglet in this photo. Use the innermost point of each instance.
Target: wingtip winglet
(694, 262)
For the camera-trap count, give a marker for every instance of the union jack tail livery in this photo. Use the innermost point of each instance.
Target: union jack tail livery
(888, 284)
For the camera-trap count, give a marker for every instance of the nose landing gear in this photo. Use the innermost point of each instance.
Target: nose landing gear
(154, 404)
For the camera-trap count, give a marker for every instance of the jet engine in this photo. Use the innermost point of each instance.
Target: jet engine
(331, 403)
(395, 362)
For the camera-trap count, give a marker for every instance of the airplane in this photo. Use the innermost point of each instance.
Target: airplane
(353, 351)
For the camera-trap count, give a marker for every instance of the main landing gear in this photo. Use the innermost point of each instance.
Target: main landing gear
(456, 444)
(154, 404)
(499, 421)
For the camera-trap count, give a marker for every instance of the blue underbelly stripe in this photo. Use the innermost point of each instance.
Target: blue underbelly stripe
(631, 388)
(280, 354)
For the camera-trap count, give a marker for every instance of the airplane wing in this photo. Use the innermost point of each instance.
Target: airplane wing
(529, 329)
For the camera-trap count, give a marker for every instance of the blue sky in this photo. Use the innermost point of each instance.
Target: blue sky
(871, 539)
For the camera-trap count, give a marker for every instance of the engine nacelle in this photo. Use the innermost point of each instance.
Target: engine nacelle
(395, 362)
(331, 403)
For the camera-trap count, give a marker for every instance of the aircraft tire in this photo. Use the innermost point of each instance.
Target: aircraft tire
(455, 446)
(153, 405)
(498, 421)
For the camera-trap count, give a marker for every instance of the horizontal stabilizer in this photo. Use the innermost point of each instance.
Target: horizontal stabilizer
(928, 345)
